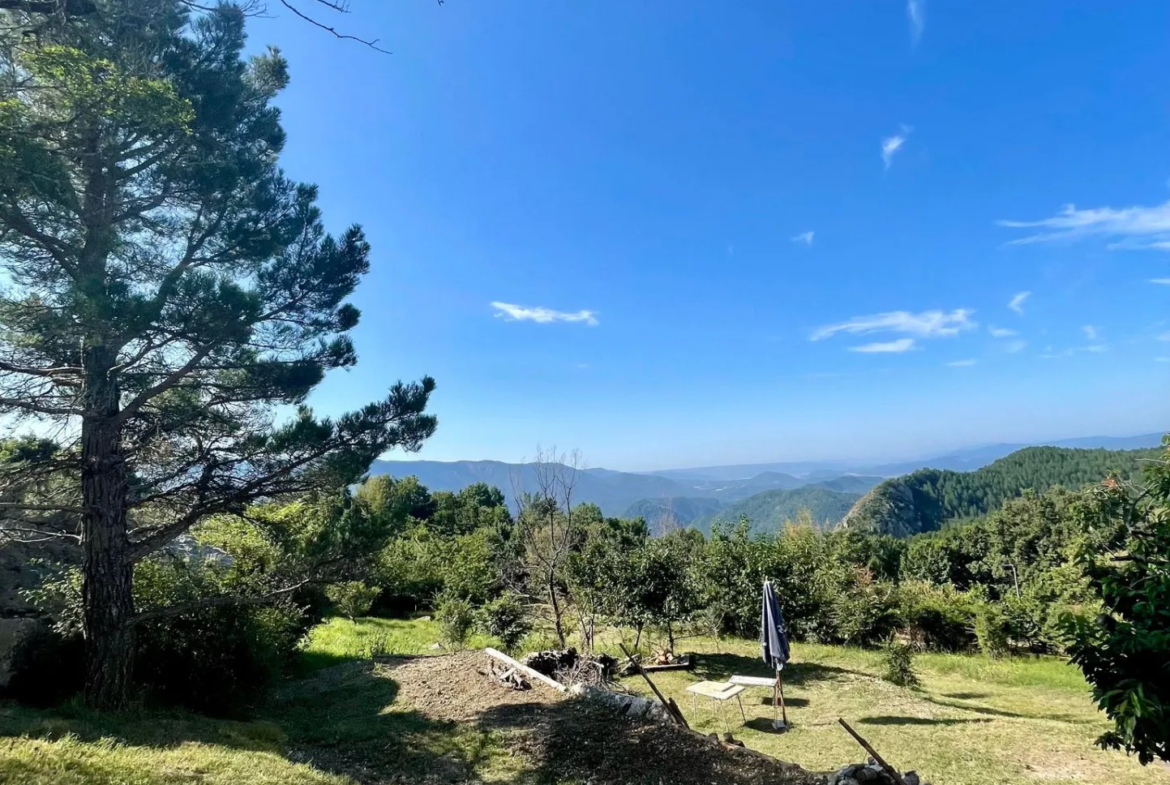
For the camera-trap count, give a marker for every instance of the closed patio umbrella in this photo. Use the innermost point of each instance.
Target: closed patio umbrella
(774, 645)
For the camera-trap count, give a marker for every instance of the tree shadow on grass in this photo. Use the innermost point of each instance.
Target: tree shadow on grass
(889, 720)
(581, 741)
(719, 667)
(986, 710)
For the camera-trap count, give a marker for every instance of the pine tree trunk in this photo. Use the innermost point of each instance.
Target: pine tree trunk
(107, 586)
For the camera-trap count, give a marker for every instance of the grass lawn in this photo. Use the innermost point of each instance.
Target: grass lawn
(974, 721)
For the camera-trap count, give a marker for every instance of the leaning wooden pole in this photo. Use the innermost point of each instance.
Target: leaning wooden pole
(873, 753)
(671, 707)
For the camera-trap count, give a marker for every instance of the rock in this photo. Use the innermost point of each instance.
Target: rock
(424, 618)
(911, 778)
(436, 647)
(866, 774)
(13, 632)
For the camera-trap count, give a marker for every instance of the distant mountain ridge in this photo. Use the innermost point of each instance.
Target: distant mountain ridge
(925, 499)
(676, 490)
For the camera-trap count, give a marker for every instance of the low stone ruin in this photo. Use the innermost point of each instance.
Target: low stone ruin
(861, 773)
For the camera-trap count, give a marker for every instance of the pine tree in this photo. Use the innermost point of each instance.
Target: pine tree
(166, 288)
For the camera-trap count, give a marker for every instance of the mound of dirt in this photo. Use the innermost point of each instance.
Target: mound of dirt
(577, 740)
(456, 687)
(339, 721)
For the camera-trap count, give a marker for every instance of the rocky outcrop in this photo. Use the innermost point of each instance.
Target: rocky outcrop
(890, 508)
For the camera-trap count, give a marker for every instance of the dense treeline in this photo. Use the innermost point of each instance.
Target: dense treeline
(923, 500)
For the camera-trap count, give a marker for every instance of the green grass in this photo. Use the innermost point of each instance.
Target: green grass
(973, 721)
(341, 640)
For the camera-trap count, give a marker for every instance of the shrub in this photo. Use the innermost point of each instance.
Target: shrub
(899, 664)
(352, 598)
(219, 660)
(456, 618)
(993, 630)
(48, 668)
(936, 618)
(507, 619)
(865, 612)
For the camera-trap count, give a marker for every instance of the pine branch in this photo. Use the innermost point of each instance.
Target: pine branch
(218, 601)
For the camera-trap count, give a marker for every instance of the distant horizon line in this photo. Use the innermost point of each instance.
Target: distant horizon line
(824, 462)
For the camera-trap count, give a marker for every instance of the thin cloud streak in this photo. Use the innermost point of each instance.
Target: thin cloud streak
(1130, 228)
(1016, 346)
(1000, 332)
(1017, 302)
(521, 313)
(1090, 332)
(962, 363)
(916, 13)
(892, 144)
(804, 237)
(889, 347)
(1162, 281)
(928, 324)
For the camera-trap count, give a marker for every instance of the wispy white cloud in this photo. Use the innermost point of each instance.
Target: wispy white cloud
(1016, 346)
(889, 347)
(1000, 332)
(1162, 359)
(962, 363)
(1097, 347)
(1129, 228)
(1017, 302)
(892, 144)
(521, 313)
(1090, 332)
(916, 13)
(1162, 281)
(928, 324)
(804, 237)
(1164, 337)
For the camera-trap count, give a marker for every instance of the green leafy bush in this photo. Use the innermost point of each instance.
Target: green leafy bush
(937, 618)
(506, 618)
(455, 617)
(352, 598)
(993, 630)
(899, 664)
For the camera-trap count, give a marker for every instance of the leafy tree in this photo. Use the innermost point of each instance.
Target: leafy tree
(1125, 652)
(166, 286)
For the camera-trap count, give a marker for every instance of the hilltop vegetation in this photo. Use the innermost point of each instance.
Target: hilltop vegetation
(923, 500)
(770, 510)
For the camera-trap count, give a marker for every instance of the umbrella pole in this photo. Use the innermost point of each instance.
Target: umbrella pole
(780, 692)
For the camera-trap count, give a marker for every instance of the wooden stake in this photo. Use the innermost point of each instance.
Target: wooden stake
(671, 707)
(499, 655)
(873, 753)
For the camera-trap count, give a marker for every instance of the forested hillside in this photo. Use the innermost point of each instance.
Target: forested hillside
(923, 500)
(682, 511)
(770, 510)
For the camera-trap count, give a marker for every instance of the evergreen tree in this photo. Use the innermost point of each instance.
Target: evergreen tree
(166, 286)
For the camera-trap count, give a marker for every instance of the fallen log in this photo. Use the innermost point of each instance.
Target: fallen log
(522, 668)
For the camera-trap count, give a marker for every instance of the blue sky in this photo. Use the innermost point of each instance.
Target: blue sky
(677, 233)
